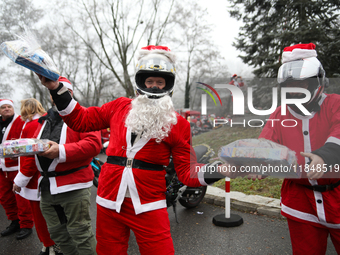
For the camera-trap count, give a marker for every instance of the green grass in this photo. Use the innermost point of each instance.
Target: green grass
(269, 187)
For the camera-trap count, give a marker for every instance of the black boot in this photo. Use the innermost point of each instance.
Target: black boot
(23, 233)
(14, 227)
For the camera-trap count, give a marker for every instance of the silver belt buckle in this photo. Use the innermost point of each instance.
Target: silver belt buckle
(129, 162)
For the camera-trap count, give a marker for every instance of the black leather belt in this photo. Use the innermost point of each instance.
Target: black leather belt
(323, 188)
(55, 174)
(133, 163)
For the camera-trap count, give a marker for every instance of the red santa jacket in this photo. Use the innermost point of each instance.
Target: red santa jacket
(146, 187)
(311, 133)
(75, 150)
(30, 192)
(12, 132)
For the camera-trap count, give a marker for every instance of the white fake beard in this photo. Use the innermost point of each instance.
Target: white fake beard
(153, 118)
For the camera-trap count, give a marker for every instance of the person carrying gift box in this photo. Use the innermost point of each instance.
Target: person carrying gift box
(311, 203)
(17, 208)
(65, 182)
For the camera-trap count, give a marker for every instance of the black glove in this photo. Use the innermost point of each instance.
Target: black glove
(212, 175)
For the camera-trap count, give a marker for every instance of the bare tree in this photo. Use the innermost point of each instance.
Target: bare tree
(193, 39)
(79, 64)
(14, 16)
(91, 80)
(94, 43)
(117, 28)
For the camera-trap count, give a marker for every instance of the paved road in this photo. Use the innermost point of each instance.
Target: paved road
(195, 234)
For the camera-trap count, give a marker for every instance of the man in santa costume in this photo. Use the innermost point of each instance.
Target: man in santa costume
(312, 203)
(145, 131)
(17, 208)
(65, 182)
(233, 81)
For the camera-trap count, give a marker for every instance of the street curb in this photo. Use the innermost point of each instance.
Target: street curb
(247, 203)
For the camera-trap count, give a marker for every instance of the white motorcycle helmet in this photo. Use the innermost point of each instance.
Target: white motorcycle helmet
(300, 64)
(155, 61)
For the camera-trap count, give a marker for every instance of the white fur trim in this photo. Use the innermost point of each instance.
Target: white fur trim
(62, 153)
(67, 85)
(36, 116)
(106, 203)
(169, 54)
(69, 108)
(66, 188)
(128, 181)
(296, 54)
(21, 180)
(139, 208)
(200, 175)
(332, 139)
(6, 101)
(307, 217)
(30, 194)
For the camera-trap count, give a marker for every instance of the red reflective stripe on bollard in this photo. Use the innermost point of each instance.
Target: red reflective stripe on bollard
(227, 186)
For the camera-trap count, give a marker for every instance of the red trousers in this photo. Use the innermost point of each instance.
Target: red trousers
(308, 239)
(16, 207)
(152, 231)
(40, 224)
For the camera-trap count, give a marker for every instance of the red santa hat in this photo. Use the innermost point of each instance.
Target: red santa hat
(6, 101)
(152, 49)
(65, 82)
(298, 51)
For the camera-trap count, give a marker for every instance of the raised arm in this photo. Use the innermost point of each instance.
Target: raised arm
(78, 118)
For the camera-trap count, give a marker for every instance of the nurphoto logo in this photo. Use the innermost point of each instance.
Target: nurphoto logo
(204, 97)
(238, 103)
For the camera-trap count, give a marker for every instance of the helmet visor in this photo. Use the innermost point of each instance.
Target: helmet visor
(155, 64)
(299, 70)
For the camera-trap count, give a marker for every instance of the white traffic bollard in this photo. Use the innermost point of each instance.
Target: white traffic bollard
(227, 219)
(227, 197)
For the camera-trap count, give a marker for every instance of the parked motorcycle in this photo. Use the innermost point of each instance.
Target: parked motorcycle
(204, 127)
(188, 197)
